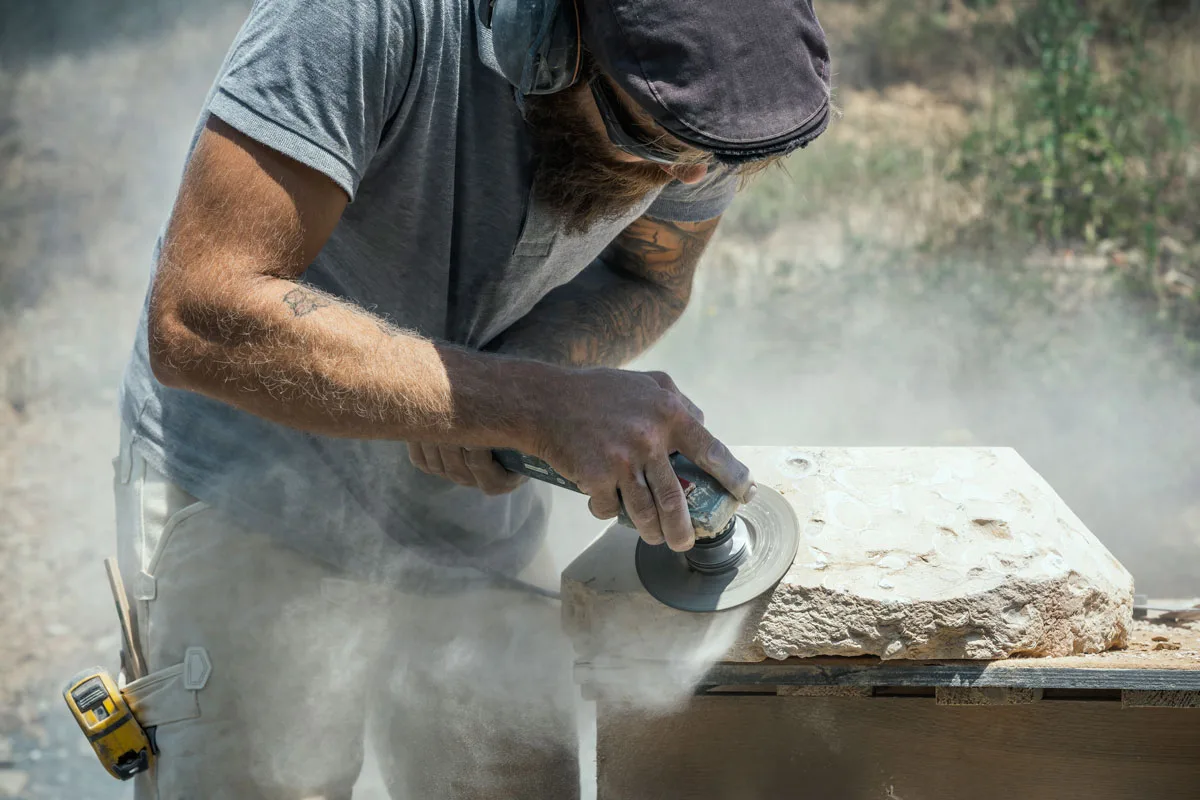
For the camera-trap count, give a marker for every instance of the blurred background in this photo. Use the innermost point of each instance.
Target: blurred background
(995, 244)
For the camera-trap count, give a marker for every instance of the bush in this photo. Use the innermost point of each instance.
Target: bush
(1081, 155)
(1090, 148)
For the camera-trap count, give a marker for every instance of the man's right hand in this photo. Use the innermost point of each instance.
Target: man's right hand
(613, 433)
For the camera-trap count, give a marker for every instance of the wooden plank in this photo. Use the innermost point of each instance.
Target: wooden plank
(872, 672)
(826, 747)
(951, 674)
(824, 691)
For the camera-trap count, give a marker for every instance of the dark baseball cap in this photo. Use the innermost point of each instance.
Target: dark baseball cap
(742, 79)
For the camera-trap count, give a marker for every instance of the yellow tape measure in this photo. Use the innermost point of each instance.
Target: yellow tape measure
(106, 720)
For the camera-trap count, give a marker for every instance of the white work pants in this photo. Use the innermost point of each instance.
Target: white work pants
(266, 669)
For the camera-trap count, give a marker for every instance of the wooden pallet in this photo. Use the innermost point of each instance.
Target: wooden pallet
(1113, 726)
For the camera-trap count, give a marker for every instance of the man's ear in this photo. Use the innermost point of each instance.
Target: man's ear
(687, 173)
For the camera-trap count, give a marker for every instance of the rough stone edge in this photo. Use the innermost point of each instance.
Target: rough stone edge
(756, 642)
(909, 631)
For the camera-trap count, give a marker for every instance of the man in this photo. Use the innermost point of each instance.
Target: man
(391, 252)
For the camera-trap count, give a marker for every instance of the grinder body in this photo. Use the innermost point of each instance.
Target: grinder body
(740, 551)
(710, 506)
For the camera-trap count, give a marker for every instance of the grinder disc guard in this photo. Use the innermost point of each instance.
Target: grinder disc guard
(767, 535)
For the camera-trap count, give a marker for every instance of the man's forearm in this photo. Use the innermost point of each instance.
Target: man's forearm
(617, 307)
(302, 358)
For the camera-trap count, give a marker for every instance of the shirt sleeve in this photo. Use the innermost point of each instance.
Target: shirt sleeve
(697, 202)
(318, 81)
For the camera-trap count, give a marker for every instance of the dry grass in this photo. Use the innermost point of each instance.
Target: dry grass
(915, 79)
(883, 170)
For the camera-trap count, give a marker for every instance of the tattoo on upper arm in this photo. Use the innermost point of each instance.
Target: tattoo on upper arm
(618, 312)
(303, 302)
(663, 252)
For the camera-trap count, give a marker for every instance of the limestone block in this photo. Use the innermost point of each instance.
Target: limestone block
(918, 553)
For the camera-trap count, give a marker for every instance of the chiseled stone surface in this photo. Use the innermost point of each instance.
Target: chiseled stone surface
(917, 553)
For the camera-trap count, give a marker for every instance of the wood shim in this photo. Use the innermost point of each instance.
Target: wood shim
(1133, 698)
(985, 696)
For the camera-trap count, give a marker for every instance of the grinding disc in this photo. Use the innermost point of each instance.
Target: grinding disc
(771, 535)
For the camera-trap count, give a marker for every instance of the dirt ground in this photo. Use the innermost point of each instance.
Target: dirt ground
(833, 344)
(98, 138)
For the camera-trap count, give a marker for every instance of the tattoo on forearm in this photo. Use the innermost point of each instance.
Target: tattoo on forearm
(303, 302)
(616, 310)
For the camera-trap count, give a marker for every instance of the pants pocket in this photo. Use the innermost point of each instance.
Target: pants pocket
(175, 519)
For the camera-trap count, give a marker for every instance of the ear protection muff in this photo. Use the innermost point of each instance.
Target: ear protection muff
(536, 42)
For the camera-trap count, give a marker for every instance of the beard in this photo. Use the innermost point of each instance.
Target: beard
(576, 172)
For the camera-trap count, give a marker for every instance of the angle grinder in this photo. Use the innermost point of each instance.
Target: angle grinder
(740, 551)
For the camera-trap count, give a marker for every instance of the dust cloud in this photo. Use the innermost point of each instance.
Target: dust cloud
(878, 347)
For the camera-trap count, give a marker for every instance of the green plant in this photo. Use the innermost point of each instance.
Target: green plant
(1083, 155)
(1088, 147)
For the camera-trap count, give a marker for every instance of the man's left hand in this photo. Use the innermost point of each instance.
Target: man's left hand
(466, 466)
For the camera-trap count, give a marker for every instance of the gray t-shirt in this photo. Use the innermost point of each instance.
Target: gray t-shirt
(398, 101)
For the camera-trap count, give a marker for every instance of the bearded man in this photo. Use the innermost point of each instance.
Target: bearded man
(409, 232)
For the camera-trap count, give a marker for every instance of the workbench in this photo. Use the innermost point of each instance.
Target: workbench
(1117, 725)
(837, 682)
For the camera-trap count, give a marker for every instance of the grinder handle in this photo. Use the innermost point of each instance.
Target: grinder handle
(532, 467)
(710, 506)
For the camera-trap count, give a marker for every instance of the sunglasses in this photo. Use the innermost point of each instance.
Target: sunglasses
(623, 130)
